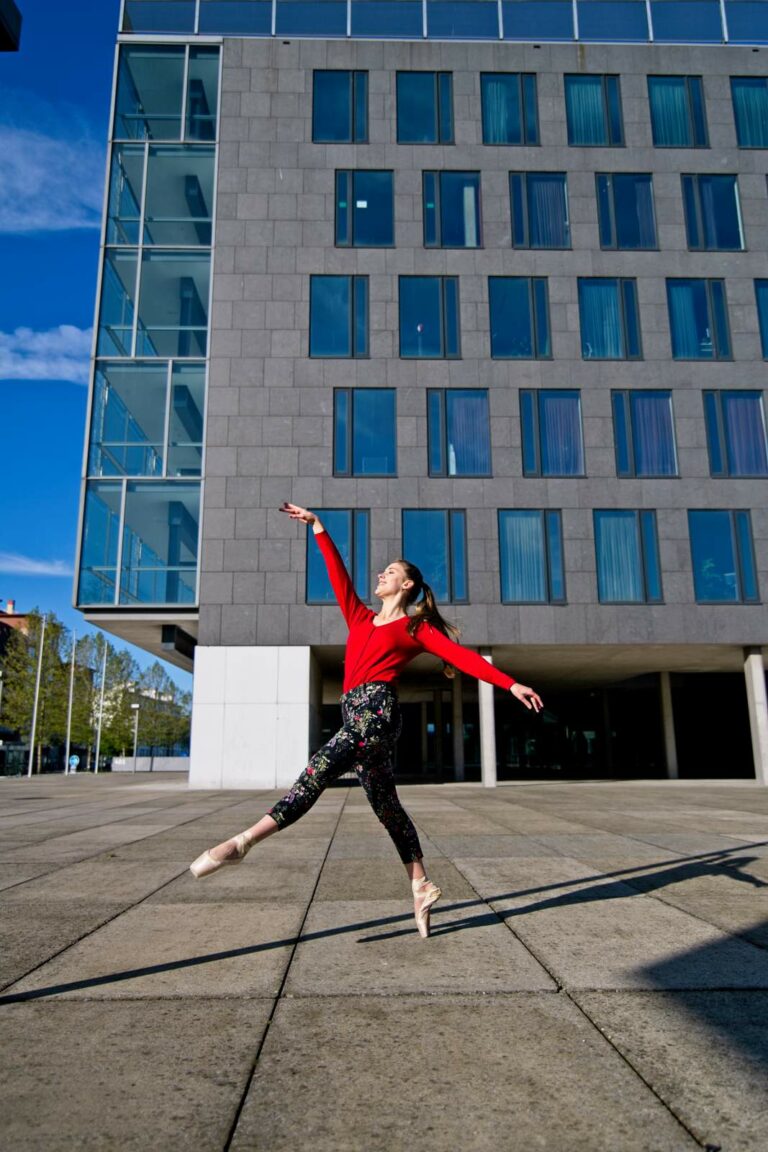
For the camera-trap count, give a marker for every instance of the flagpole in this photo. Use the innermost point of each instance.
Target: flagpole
(101, 706)
(37, 698)
(69, 704)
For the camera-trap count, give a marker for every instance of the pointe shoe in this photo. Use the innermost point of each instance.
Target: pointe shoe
(205, 865)
(425, 894)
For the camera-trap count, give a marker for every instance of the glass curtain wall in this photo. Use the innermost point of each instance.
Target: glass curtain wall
(145, 454)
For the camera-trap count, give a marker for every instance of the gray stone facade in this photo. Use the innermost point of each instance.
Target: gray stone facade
(270, 407)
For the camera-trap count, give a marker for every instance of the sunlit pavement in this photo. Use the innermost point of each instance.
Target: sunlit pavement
(597, 976)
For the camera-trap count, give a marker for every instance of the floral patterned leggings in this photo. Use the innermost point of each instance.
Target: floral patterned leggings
(364, 743)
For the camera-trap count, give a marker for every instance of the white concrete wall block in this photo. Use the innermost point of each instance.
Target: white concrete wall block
(251, 675)
(250, 746)
(293, 675)
(210, 664)
(206, 753)
(292, 742)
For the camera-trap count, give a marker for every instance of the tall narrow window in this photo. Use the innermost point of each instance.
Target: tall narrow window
(678, 116)
(338, 316)
(698, 320)
(736, 433)
(593, 110)
(339, 107)
(531, 554)
(551, 432)
(627, 553)
(451, 209)
(436, 542)
(519, 314)
(539, 206)
(424, 108)
(510, 114)
(761, 296)
(625, 210)
(458, 432)
(712, 213)
(429, 317)
(723, 557)
(364, 432)
(644, 433)
(750, 110)
(350, 531)
(365, 209)
(610, 324)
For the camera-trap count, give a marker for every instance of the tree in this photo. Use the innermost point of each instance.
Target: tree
(20, 676)
(165, 710)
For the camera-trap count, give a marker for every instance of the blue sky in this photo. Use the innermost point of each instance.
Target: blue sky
(54, 111)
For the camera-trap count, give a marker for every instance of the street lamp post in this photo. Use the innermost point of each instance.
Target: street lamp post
(135, 708)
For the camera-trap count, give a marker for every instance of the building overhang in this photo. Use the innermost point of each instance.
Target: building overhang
(10, 26)
(170, 636)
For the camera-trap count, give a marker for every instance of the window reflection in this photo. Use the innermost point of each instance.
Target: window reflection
(365, 435)
(698, 319)
(530, 546)
(451, 209)
(644, 433)
(365, 209)
(722, 556)
(424, 108)
(626, 547)
(350, 531)
(678, 116)
(118, 301)
(736, 433)
(687, 21)
(553, 444)
(625, 210)
(519, 315)
(451, 19)
(160, 543)
(173, 304)
(149, 93)
(510, 108)
(712, 213)
(435, 541)
(339, 107)
(533, 20)
(539, 207)
(429, 317)
(100, 543)
(458, 432)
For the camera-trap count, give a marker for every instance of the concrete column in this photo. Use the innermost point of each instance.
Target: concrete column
(487, 728)
(457, 727)
(424, 736)
(668, 720)
(754, 674)
(438, 707)
(251, 710)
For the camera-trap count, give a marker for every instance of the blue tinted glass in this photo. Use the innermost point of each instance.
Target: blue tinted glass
(696, 94)
(556, 564)
(417, 112)
(450, 287)
(373, 432)
(621, 434)
(477, 20)
(750, 109)
(458, 556)
(690, 206)
(431, 209)
(621, 20)
(531, 106)
(341, 431)
(541, 317)
(689, 320)
(671, 120)
(128, 419)
(523, 557)
(585, 110)
(631, 319)
(360, 105)
(160, 542)
(332, 107)
(101, 536)
(126, 178)
(620, 577)
(746, 556)
(530, 431)
(562, 452)
(468, 444)
(633, 208)
(436, 432)
(178, 198)
(720, 319)
(743, 422)
(425, 544)
(330, 316)
(502, 112)
(185, 420)
(373, 209)
(716, 199)
(344, 193)
(311, 18)
(149, 93)
(445, 106)
(460, 209)
(714, 434)
(159, 16)
(338, 522)
(605, 212)
(509, 299)
(252, 18)
(747, 21)
(202, 94)
(519, 232)
(420, 316)
(173, 303)
(651, 557)
(118, 298)
(761, 294)
(532, 20)
(360, 314)
(391, 19)
(653, 434)
(360, 565)
(615, 121)
(548, 224)
(714, 560)
(600, 309)
(686, 21)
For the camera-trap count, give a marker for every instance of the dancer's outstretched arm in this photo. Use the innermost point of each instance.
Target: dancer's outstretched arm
(348, 600)
(467, 661)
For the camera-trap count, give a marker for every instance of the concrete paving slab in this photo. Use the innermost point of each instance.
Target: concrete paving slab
(134, 1075)
(31, 933)
(480, 1074)
(258, 878)
(176, 950)
(374, 848)
(13, 874)
(488, 846)
(590, 845)
(704, 1053)
(600, 933)
(123, 882)
(386, 880)
(356, 946)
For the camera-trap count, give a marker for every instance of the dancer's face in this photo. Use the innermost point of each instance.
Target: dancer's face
(392, 581)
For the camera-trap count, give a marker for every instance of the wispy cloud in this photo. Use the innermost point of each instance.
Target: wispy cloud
(59, 354)
(52, 173)
(13, 564)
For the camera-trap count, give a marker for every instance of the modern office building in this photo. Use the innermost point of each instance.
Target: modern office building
(487, 284)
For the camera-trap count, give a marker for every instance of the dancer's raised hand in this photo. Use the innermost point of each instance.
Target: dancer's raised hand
(527, 696)
(297, 513)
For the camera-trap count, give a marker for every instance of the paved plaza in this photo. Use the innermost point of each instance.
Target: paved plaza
(597, 977)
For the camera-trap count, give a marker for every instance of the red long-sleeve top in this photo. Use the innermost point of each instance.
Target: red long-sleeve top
(381, 651)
